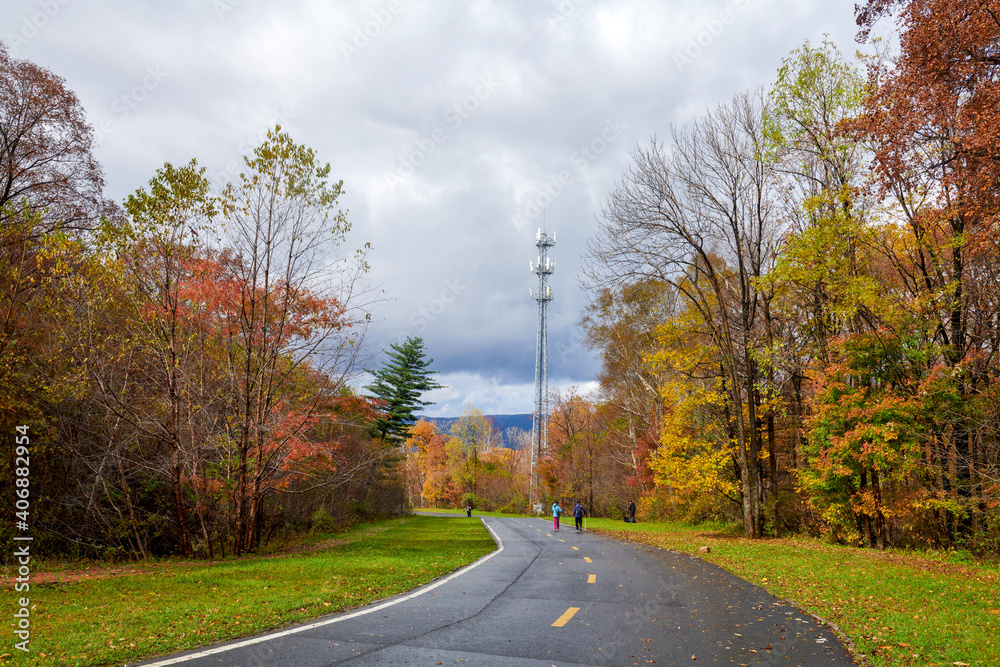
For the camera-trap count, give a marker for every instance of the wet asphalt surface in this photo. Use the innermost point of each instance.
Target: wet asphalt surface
(554, 598)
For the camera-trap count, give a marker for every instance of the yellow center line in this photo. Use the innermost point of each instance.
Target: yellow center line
(577, 548)
(548, 534)
(562, 540)
(591, 578)
(586, 558)
(564, 619)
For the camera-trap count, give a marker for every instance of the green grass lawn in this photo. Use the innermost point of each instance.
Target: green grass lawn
(897, 608)
(475, 513)
(190, 604)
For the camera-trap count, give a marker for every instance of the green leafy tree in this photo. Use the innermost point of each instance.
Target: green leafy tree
(398, 385)
(866, 436)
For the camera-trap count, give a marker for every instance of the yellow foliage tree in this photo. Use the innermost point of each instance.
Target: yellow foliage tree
(695, 452)
(690, 460)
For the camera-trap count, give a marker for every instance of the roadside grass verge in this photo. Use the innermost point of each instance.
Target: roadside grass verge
(186, 605)
(896, 607)
(475, 513)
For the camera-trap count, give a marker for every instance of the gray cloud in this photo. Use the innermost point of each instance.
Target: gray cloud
(501, 115)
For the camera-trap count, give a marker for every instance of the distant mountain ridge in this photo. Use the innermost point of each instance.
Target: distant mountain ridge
(500, 423)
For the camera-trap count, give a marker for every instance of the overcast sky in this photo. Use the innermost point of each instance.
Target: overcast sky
(456, 126)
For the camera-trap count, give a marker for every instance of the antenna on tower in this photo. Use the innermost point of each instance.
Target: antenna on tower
(540, 422)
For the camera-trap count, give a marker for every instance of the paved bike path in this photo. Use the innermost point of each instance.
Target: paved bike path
(554, 598)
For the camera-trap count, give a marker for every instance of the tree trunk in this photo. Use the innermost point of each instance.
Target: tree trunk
(182, 522)
(880, 527)
(127, 494)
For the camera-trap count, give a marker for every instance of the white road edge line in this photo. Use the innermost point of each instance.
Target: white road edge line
(337, 619)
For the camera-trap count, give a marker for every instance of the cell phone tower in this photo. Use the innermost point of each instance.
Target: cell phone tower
(540, 423)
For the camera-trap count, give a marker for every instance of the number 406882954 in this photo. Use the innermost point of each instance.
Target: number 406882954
(21, 468)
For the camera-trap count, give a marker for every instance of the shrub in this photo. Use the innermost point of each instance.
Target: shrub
(322, 522)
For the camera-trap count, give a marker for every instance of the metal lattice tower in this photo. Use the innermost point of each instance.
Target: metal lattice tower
(540, 423)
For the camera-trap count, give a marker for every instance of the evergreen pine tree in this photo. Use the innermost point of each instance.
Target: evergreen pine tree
(399, 383)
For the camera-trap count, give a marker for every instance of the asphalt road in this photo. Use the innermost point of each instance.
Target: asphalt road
(554, 598)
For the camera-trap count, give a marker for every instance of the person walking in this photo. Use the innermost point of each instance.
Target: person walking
(631, 512)
(578, 513)
(556, 511)
(468, 511)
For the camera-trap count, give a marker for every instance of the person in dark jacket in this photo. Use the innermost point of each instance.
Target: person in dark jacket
(578, 513)
(631, 512)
